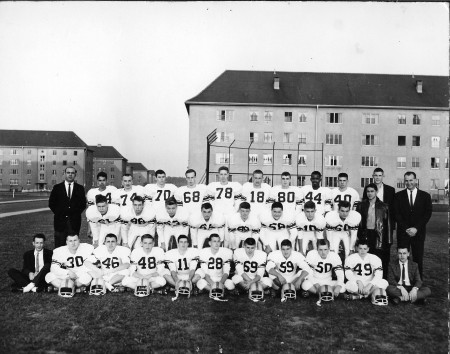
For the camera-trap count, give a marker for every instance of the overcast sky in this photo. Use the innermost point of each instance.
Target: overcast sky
(119, 73)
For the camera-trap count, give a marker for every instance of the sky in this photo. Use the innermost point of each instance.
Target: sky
(118, 73)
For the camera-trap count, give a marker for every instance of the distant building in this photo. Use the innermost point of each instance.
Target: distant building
(141, 176)
(109, 160)
(331, 122)
(35, 159)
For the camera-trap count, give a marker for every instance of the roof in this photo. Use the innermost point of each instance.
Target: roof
(137, 166)
(105, 152)
(40, 138)
(331, 89)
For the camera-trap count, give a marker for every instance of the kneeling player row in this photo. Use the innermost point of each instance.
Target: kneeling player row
(75, 265)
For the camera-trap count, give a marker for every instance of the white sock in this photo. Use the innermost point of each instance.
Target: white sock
(29, 287)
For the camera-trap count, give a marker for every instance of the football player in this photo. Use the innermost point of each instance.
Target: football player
(114, 261)
(125, 195)
(203, 224)
(321, 196)
(102, 188)
(215, 266)
(225, 195)
(68, 269)
(147, 262)
(290, 196)
(136, 221)
(364, 272)
(344, 193)
(171, 223)
(276, 226)
(323, 263)
(250, 266)
(157, 194)
(103, 219)
(310, 226)
(256, 192)
(342, 225)
(191, 196)
(282, 266)
(182, 262)
(242, 225)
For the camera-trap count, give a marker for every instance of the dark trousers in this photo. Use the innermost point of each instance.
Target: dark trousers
(422, 293)
(21, 279)
(417, 245)
(384, 253)
(60, 236)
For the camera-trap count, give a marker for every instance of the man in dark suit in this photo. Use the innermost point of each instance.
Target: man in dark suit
(36, 264)
(413, 210)
(404, 280)
(67, 202)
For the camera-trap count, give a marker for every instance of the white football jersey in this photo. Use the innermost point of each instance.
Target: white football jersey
(243, 229)
(216, 265)
(350, 195)
(321, 198)
(273, 231)
(201, 229)
(93, 192)
(157, 196)
(182, 263)
(122, 197)
(63, 258)
(365, 269)
(191, 199)
(250, 266)
(287, 266)
(290, 197)
(335, 224)
(110, 260)
(147, 263)
(316, 225)
(101, 225)
(137, 225)
(225, 198)
(323, 268)
(257, 197)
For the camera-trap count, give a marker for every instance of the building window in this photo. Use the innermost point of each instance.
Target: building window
(225, 115)
(333, 160)
(222, 158)
(435, 162)
(14, 162)
(435, 140)
(74, 163)
(366, 181)
(331, 181)
(112, 169)
(401, 140)
(13, 181)
(302, 160)
(370, 118)
(14, 171)
(111, 176)
(268, 137)
(54, 172)
(54, 152)
(99, 169)
(301, 180)
(416, 119)
(401, 162)
(402, 119)
(13, 151)
(416, 140)
(302, 138)
(53, 181)
(253, 137)
(253, 159)
(29, 151)
(64, 152)
(64, 162)
(41, 167)
(28, 162)
(224, 137)
(415, 162)
(436, 120)
(302, 118)
(268, 116)
(104, 162)
(287, 159)
(333, 139)
(41, 176)
(288, 117)
(434, 183)
(28, 182)
(287, 137)
(42, 158)
(369, 161)
(28, 172)
(253, 116)
(267, 159)
(75, 153)
(335, 118)
(54, 163)
(400, 183)
(446, 162)
(370, 140)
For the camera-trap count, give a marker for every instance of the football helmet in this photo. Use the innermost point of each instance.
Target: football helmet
(184, 288)
(67, 288)
(142, 288)
(326, 293)
(288, 292)
(379, 297)
(256, 292)
(97, 287)
(217, 291)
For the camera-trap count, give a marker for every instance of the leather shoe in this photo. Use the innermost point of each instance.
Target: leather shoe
(395, 301)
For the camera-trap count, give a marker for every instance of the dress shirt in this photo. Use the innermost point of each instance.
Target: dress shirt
(380, 192)
(41, 260)
(66, 184)
(414, 194)
(407, 283)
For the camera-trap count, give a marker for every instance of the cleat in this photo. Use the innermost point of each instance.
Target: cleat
(273, 293)
(350, 297)
(305, 293)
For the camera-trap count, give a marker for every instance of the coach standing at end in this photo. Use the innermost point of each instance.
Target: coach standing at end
(67, 202)
(413, 210)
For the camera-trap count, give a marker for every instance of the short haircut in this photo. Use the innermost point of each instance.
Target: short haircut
(100, 199)
(257, 172)
(190, 171)
(181, 237)
(317, 173)
(362, 241)
(285, 173)
(309, 205)
(206, 206)
(410, 173)
(372, 185)
(72, 235)
(224, 168)
(35, 236)
(401, 247)
(286, 242)
(145, 236)
(102, 174)
(159, 172)
(244, 205)
(323, 242)
(138, 198)
(111, 236)
(343, 204)
(171, 201)
(378, 169)
(70, 167)
(127, 175)
(213, 235)
(250, 241)
(277, 205)
(342, 174)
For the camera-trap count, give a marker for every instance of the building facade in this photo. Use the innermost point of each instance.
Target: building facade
(141, 176)
(36, 160)
(301, 122)
(108, 159)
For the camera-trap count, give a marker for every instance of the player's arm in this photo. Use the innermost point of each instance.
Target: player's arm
(192, 267)
(226, 268)
(328, 201)
(59, 268)
(93, 269)
(292, 232)
(271, 269)
(339, 271)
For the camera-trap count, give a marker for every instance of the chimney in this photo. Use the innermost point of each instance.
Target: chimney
(419, 84)
(276, 83)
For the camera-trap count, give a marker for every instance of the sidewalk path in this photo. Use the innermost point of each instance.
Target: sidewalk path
(4, 215)
(23, 201)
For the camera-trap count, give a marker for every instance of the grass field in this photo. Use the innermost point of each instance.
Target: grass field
(122, 323)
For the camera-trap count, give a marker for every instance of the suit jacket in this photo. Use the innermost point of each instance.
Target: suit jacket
(65, 209)
(413, 274)
(418, 217)
(29, 263)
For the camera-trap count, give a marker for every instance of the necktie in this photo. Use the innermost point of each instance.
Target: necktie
(403, 274)
(69, 193)
(411, 200)
(36, 270)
